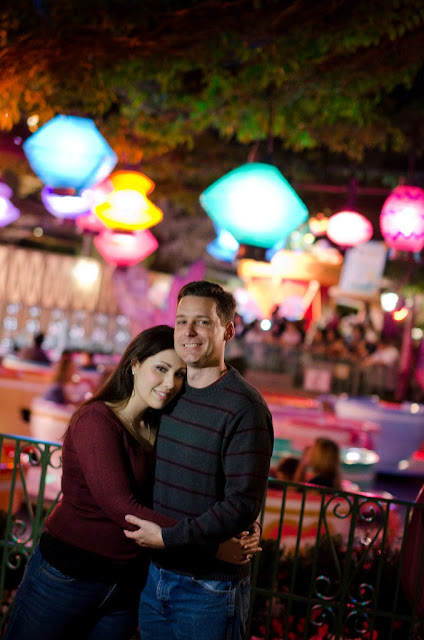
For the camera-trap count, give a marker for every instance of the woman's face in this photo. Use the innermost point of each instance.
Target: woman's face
(158, 379)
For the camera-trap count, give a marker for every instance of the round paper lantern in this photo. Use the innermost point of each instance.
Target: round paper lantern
(349, 228)
(224, 247)
(402, 219)
(64, 205)
(69, 152)
(127, 206)
(125, 249)
(255, 204)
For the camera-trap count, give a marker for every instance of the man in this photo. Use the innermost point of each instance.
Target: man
(213, 455)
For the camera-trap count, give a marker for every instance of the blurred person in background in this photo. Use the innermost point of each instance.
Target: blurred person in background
(34, 352)
(64, 369)
(320, 464)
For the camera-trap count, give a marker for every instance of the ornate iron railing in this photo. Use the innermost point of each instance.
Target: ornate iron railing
(330, 567)
(29, 489)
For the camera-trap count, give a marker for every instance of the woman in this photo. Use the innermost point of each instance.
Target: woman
(320, 464)
(64, 370)
(84, 578)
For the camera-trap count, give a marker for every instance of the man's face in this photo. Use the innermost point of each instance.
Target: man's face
(200, 337)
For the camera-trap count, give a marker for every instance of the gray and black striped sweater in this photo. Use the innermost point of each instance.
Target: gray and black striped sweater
(213, 455)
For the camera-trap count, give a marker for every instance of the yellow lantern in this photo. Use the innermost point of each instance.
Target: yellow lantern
(127, 207)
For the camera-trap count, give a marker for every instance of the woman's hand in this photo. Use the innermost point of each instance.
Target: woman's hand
(241, 549)
(148, 534)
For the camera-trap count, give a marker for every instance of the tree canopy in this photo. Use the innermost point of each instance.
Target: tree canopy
(190, 88)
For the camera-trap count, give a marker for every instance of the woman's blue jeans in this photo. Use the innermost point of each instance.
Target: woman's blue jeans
(52, 606)
(176, 607)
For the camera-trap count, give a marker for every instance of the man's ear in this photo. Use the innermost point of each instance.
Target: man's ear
(229, 331)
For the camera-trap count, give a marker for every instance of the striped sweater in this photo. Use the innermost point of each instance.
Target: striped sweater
(213, 454)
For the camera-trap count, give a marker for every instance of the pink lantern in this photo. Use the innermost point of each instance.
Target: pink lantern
(90, 223)
(402, 219)
(125, 249)
(349, 228)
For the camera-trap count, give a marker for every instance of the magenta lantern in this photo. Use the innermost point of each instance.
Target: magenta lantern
(125, 249)
(349, 228)
(90, 223)
(402, 219)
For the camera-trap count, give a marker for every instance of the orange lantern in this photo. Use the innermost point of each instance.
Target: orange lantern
(318, 224)
(127, 206)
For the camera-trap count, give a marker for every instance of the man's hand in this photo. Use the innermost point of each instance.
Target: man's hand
(242, 548)
(148, 533)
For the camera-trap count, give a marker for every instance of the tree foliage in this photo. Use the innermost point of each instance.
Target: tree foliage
(157, 75)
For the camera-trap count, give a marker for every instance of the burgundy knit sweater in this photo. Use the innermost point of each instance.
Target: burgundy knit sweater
(106, 474)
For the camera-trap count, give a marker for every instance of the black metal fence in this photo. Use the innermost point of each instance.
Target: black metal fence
(330, 568)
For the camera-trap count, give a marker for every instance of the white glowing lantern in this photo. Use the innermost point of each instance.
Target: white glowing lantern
(349, 228)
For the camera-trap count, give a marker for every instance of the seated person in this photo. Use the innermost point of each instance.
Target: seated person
(320, 464)
(286, 469)
(34, 352)
(64, 370)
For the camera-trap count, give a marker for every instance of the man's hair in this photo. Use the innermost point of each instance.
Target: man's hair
(225, 302)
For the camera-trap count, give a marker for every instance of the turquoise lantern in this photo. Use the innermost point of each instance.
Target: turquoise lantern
(254, 203)
(69, 152)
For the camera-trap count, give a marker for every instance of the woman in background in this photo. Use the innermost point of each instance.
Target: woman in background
(320, 464)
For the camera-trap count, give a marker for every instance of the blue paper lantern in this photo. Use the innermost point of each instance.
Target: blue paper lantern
(255, 203)
(224, 247)
(69, 152)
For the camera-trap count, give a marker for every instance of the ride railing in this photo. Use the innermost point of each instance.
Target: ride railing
(29, 489)
(330, 568)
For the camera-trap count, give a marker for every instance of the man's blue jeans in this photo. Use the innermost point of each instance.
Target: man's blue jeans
(176, 607)
(50, 605)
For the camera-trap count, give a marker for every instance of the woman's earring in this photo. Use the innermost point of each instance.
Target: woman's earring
(133, 371)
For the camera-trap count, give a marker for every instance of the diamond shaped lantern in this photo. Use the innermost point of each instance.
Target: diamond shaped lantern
(69, 152)
(255, 203)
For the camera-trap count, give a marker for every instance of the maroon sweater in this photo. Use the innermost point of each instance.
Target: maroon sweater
(106, 474)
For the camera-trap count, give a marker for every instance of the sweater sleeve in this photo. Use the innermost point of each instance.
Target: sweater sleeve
(104, 462)
(246, 459)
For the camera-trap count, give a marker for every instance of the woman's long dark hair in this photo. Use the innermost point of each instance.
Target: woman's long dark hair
(118, 387)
